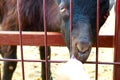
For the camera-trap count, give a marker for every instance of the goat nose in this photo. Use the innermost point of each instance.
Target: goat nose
(83, 46)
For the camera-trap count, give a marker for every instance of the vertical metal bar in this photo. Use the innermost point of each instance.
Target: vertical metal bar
(116, 75)
(97, 39)
(45, 39)
(0, 72)
(70, 25)
(20, 37)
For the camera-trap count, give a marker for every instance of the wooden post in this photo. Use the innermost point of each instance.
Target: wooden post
(116, 74)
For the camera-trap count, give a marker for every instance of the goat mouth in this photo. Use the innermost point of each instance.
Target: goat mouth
(82, 56)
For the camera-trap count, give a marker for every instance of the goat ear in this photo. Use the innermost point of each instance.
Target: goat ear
(58, 1)
(62, 4)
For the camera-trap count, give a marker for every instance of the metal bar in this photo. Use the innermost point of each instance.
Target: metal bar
(106, 63)
(37, 39)
(20, 39)
(116, 75)
(97, 38)
(45, 39)
(31, 38)
(71, 26)
(0, 72)
(60, 61)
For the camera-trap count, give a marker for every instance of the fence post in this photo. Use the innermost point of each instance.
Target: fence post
(116, 74)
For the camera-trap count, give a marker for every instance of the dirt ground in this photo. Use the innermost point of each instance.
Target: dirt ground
(33, 70)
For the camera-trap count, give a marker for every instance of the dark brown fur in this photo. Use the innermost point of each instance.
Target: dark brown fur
(31, 18)
(31, 13)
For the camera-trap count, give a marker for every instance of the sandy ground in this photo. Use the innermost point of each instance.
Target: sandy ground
(33, 70)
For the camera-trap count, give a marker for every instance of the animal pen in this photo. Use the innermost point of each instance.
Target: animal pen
(55, 39)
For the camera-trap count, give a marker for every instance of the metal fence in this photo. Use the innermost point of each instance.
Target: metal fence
(49, 39)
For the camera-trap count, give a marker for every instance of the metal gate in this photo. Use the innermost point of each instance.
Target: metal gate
(49, 38)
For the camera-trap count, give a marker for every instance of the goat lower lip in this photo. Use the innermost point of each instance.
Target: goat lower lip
(81, 53)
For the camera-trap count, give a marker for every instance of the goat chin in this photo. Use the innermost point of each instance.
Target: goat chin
(72, 70)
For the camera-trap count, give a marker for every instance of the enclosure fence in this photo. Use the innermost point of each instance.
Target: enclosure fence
(52, 38)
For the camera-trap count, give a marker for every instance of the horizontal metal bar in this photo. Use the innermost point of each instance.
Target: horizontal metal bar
(107, 63)
(25, 60)
(61, 61)
(19, 60)
(37, 39)
(31, 38)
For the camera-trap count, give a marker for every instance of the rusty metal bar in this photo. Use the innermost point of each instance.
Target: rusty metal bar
(45, 39)
(116, 75)
(31, 38)
(60, 61)
(0, 72)
(20, 39)
(37, 39)
(97, 38)
(71, 25)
